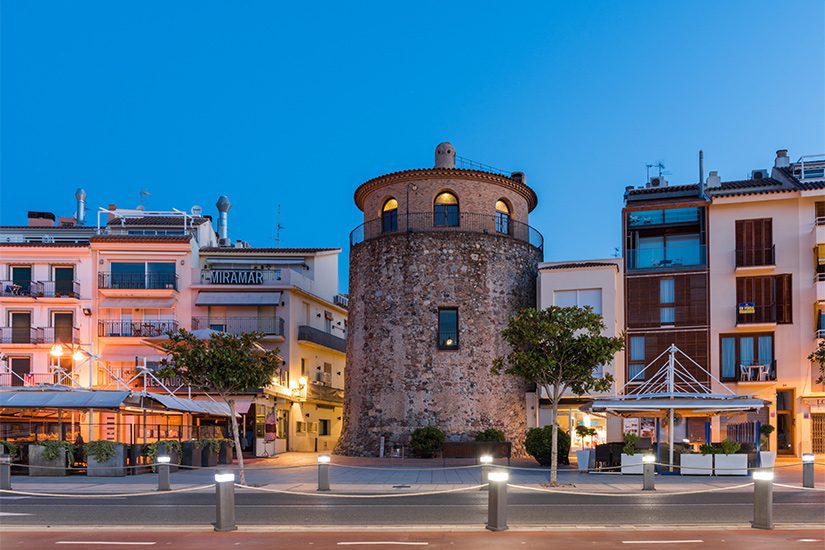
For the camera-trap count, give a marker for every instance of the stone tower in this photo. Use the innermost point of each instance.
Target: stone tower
(444, 258)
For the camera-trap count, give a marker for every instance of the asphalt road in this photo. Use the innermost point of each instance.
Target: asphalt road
(749, 539)
(468, 509)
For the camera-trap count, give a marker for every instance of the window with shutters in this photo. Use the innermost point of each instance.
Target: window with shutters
(819, 207)
(766, 299)
(754, 242)
(747, 357)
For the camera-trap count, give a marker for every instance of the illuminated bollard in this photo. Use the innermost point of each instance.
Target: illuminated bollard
(485, 460)
(5, 472)
(225, 502)
(649, 471)
(762, 499)
(163, 473)
(497, 500)
(323, 472)
(808, 470)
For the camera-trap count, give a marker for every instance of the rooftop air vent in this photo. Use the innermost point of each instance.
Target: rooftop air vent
(657, 181)
(197, 211)
(760, 174)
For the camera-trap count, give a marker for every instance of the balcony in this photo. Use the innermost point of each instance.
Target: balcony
(39, 335)
(137, 281)
(15, 288)
(761, 314)
(26, 379)
(756, 257)
(243, 277)
(668, 258)
(755, 373)
(241, 325)
(341, 300)
(321, 338)
(427, 222)
(134, 329)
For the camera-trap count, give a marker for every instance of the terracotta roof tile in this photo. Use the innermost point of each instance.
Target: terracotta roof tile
(253, 250)
(575, 265)
(141, 238)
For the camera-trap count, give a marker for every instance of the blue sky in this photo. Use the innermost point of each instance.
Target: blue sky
(298, 103)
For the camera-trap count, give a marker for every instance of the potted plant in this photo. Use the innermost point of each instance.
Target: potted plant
(426, 441)
(191, 453)
(105, 458)
(225, 454)
(766, 458)
(583, 455)
(209, 453)
(728, 463)
(631, 462)
(493, 442)
(698, 464)
(9, 448)
(539, 444)
(167, 447)
(51, 456)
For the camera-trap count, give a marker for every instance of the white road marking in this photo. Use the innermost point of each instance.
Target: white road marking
(809, 540)
(106, 542)
(12, 514)
(389, 542)
(686, 541)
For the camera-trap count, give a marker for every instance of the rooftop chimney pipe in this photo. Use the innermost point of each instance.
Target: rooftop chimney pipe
(445, 155)
(80, 215)
(223, 206)
(782, 160)
(713, 179)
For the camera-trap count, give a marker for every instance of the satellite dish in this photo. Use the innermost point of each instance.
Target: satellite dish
(197, 210)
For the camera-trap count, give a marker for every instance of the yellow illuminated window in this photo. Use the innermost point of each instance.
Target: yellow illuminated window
(502, 207)
(446, 198)
(391, 204)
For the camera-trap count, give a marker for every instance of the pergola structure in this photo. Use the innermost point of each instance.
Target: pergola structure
(673, 389)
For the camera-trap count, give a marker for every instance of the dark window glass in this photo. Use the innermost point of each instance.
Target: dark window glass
(21, 366)
(128, 275)
(63, 326)
(64, 281)
(448, 328)
(445, 211)
(21, 277)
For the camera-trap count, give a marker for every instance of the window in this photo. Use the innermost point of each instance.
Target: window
(445, 210)
(667, 298)
(64, 281)
(637, 359)
(324, 376)
(21, 278)
(448, 328)
(502, 217)
(668, 251)
(143, 275)
(323, 427)
(770, 297)
(747, 357)
(21, 327)
(754, 242)
(21, 367)
(658, 217)
(581, 297)
(389, 216)
(63, 326)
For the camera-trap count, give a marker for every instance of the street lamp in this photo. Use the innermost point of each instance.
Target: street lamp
(407, 204)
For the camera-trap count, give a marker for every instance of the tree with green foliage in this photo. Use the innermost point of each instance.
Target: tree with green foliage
(225, 364)
(818, 357)
(557, 349)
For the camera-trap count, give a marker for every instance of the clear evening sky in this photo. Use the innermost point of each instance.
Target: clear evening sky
(297, 103)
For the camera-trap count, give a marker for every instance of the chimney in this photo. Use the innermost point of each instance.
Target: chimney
(519, 177)
(41, 219)
(713, 179)
(80, 215)
(782, 160)
(111, 217)
(445, 155)
(223, 206)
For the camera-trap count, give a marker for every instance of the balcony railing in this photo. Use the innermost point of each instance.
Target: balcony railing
(341, 301)
(761, 314)
(39, 335)
(427, 222)
(269, 326)
(756, 373)
(31, 378)
(131, 281)
(15, 288)
(753, 257)
(60, 335)
(240, 276)
(55, 289)
(667, 258)
(316, 336)
(135, 329)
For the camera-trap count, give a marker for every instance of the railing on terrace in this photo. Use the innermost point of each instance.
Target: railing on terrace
(270, 326)
(23, 379)
(240, 276)
(15, 288)
(41, 289)
(60, 335)
(39, 335)
(761, 314)
(428, 222)
(131, 281)
(316, 336)
(752, 257)
(754, 372)
(670, 257)
(135, 329)
(341, 300)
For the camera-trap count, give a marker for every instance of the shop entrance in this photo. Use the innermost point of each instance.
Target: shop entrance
(818, 433)
(784, 421)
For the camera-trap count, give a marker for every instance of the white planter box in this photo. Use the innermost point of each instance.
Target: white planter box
(731, 465)
(632, 464)
(583, 459)
(696, 464)
(767, 459)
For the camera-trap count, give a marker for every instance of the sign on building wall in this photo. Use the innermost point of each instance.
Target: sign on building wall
(746, 308)
(230, 277)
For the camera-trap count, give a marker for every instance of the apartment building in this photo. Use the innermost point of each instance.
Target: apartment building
(597, 284)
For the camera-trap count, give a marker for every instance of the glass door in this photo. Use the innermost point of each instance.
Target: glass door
(63, 324)
(21, 278)
(64, 281)
(784, 422)
(21, 327)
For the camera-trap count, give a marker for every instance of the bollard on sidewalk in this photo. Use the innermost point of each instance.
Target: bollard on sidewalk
(163, 473)
(485, 460)
(762, 499)
(497, 500)
(5, 472)
(225, 502)
(808, 470)
(323, 472)
(649, 471)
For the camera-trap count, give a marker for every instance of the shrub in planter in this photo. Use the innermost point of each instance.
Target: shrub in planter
(765, 431)
(728, 463)
(426, 441)
(191, 453)
(53, 457)
(630, 442)
(105, 458)
(225, 455)
(491, 434)
(209, 453)
(10, 448)
(169, 447)
(539, 445)
(697, 464)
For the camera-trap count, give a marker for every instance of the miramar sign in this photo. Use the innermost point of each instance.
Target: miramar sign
(239, 277)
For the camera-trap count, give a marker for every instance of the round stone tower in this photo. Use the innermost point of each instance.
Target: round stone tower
(443, 259)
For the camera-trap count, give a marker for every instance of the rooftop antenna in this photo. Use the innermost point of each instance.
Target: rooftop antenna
(701, 166)
(143, 194)
(278, 228)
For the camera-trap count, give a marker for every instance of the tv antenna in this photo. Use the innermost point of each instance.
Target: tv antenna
(278, 228)
(143, 194)
(660, 167)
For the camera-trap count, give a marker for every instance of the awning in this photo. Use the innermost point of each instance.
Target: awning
(684, 406)
(63, 399)
(238, 299)
(820, 254)
(118, 303)
(190, 405)
(242, 403)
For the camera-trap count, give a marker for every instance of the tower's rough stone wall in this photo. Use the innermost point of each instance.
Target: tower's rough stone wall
(396, 377)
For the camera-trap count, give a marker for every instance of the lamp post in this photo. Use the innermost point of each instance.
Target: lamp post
(649, 473)
(407, 204)
(762, 499)
(225, 502)
(163, 473)
(497, 500)
(808, 470)
(323, 472)
(485, 460)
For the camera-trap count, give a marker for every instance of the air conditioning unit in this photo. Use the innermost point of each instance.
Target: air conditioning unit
(760, 174)
(48, 239)
(657, 181)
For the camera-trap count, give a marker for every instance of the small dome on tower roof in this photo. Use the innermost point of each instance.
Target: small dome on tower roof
(445, 155)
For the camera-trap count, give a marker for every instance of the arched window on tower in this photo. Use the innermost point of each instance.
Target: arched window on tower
(445, 210)
(502, 217)
(389, 216)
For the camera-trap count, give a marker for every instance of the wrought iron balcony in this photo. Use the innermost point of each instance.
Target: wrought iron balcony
(321, 338)
(268, 326)
(39, 335)
(15, 288)
(135, 329)
(429, 222)
(761, 314)
(754, 257)
(667, 258)
(130, 281)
